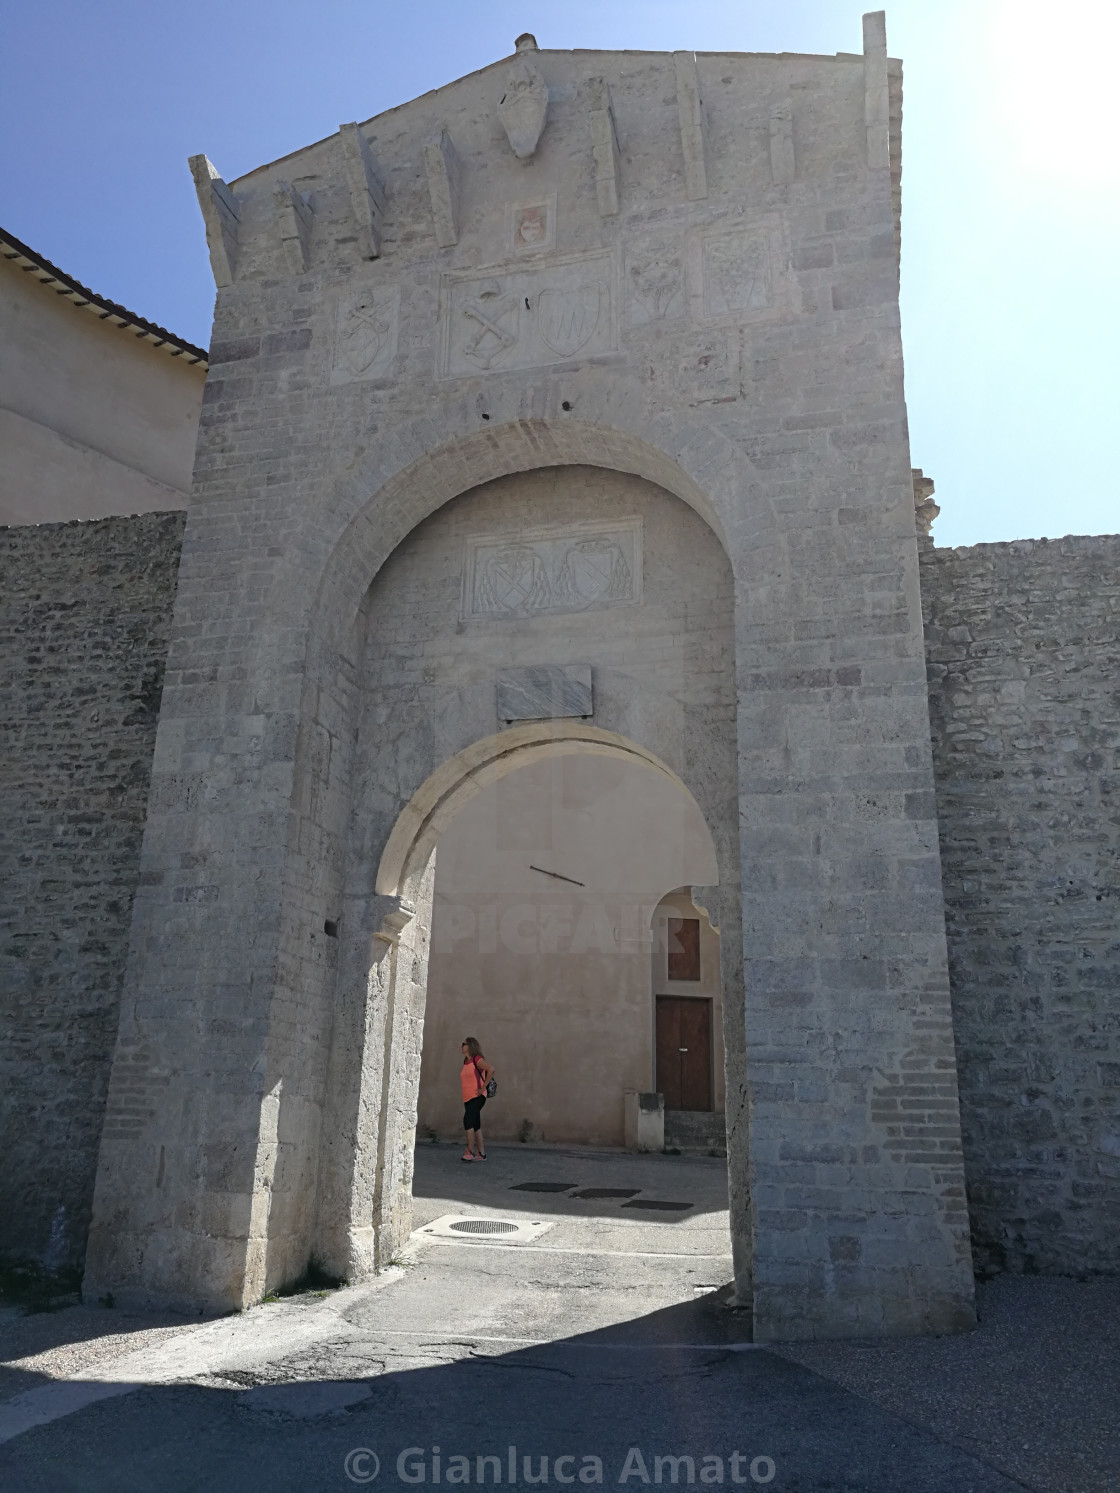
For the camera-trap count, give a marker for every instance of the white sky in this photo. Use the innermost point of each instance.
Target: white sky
(1011, 170)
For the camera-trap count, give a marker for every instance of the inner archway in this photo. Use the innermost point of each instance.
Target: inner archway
(545, 894)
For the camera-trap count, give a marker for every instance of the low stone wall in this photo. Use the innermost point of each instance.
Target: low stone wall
(1023, 650)
(85, 611)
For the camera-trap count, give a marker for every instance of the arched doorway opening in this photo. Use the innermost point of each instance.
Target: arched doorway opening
(688, 1067)
(546, 614)
(545, 894)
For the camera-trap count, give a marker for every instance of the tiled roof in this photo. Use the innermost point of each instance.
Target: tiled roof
(65, 285)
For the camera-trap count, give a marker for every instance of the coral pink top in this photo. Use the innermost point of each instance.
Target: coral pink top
(470, 1080)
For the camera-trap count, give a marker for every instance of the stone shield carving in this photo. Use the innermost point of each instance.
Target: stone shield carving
(366, 337)
(492, 321)
(655, 284)
(567, 318)
(522, 108)
(511, 578)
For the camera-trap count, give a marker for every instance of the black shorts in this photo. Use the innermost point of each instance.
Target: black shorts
(472, 1113)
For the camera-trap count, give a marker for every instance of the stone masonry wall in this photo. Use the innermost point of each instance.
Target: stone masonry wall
(1023, 649)
(85, 610)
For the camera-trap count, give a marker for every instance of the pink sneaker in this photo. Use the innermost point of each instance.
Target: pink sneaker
(467, 1156)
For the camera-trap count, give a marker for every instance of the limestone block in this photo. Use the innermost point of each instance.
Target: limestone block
(644, 1121)
(294, 215)
(783, 166)
(367, 191)
(442, 168)
(221, 216)
(604, 148)
(690, 107)
(876, 109)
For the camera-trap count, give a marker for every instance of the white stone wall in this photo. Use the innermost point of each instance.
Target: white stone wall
(691, 279)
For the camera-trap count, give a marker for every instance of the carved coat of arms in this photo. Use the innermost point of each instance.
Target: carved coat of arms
(513, 579)
(365, 331)
(523, 107)
(491, 325)
(594, 571)
(567, 318)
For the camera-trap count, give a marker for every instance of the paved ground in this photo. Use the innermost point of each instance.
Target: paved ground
(602, 1339)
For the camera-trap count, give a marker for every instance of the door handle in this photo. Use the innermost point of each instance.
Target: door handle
(682, 1049)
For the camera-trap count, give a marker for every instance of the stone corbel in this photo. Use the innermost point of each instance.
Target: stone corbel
(693, 135)
(783, 166)
(293, 211)
(367, 191)
(221, 216)
(390, 916)
(876, 98)
(604, 147)
(442, 166)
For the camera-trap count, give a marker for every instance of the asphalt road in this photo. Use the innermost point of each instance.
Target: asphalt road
(598, 1351)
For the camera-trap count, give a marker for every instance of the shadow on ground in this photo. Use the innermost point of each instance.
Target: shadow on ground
(671, 1386)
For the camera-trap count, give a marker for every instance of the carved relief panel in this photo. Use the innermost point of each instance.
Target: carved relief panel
(366, 335)
(527, 318)
(655, 283)
(552, 569)
(742, 274)
(532, 226)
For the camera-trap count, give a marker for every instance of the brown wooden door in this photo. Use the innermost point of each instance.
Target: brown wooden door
(684, 1051)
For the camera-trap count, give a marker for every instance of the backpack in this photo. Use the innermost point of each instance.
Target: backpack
(492, 1086)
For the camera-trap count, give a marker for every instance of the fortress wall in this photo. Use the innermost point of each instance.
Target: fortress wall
(85, 610)
(1022, 646)
(1023, 650)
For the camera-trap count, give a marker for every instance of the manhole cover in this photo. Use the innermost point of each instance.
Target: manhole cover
(607, 1192)
(468, 1229)
(542, 1186)
(486, 1226)
(665, 1207)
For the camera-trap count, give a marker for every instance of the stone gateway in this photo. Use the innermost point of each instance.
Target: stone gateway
(553, 513)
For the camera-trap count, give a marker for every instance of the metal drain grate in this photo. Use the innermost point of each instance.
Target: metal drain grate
(542, 1186)
(657, 1203)
(607, 1192)
(483, 1226)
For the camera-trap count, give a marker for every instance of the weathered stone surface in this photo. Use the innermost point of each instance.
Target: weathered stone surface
(382, 522)
(764, 397)
(1023, 649)
(85, 613)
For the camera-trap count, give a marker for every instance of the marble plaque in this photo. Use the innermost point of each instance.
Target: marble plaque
(547, 692)
(529, 317)
(538, 571)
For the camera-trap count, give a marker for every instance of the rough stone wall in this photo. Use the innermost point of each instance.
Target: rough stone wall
(84, 624)
(1023, 648)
